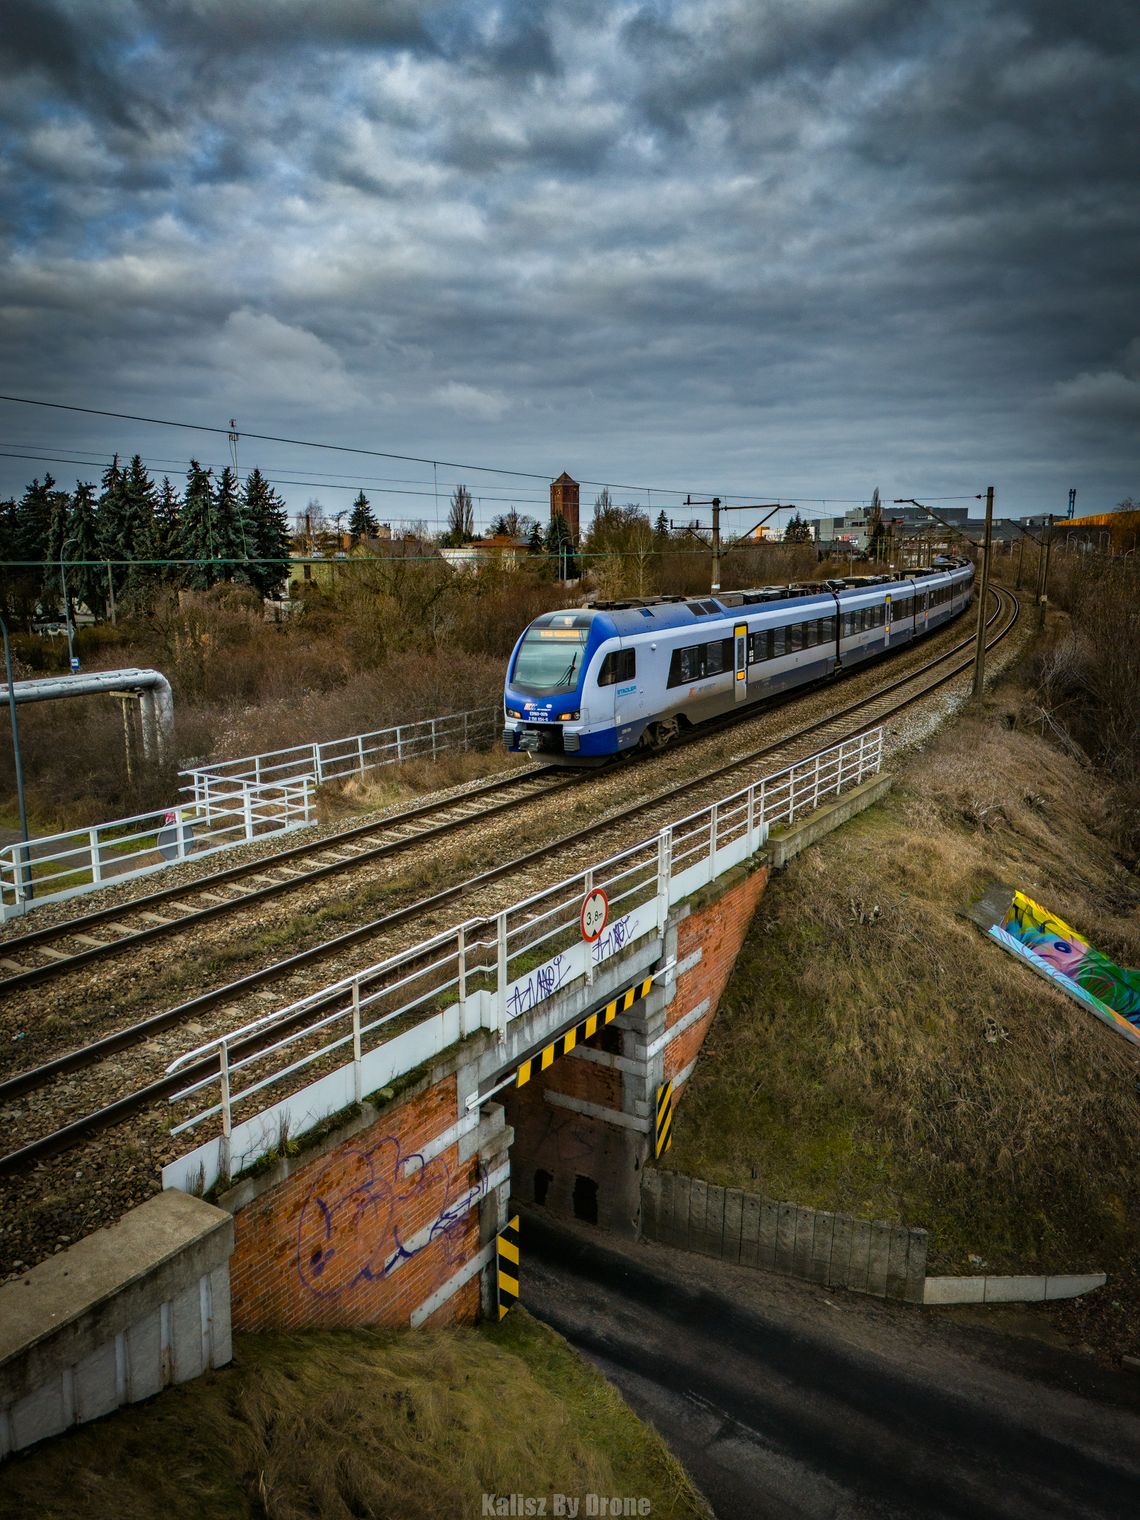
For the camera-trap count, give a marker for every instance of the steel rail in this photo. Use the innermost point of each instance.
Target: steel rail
(77, 927)
(32, 974)
(87, 1055)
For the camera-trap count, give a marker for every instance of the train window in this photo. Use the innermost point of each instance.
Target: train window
(795, 637)
(618, 665)
(757, 648)
(685, 666)
(827, 627)
(718, 657)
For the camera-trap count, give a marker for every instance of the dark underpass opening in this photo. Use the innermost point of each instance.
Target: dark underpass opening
(586, 1199)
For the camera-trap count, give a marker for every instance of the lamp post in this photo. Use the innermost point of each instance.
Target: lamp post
(20, 800)
(72, 662)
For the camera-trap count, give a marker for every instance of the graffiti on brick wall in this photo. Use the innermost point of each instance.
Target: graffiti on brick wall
(352, 1228)
(1065, 956)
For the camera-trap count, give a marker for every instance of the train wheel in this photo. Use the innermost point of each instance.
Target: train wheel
(659, 736)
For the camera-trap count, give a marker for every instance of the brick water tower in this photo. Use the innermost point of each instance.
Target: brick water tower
(564, 499)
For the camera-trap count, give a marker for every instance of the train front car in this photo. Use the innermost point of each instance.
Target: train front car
(547, 702)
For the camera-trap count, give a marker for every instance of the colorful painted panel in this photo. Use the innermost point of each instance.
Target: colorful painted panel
(1058, 952)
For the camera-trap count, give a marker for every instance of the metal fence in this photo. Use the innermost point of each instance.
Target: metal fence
(339, 758)
(228, 803)
(367, 1029)
(57, 866)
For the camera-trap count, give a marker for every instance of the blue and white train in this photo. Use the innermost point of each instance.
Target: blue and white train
(587, 683)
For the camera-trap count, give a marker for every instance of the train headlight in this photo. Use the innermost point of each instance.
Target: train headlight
(513, 712)
(570, 717)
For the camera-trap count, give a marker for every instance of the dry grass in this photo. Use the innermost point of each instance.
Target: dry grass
(398, 784)
(874, 1053)
(359, 1423)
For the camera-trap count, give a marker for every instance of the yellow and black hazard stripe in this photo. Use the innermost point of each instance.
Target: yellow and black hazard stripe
(507, 1254)
(583, 1030)
(663, 1129)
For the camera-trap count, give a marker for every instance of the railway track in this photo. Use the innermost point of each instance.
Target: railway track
(69, 945)
(855, 717)
(53, 950)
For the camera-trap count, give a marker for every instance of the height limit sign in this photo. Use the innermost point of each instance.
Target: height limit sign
(595, 914)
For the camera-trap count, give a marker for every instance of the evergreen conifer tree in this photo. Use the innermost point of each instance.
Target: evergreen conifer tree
(559, 545)
(159, 543)
(196, 530)
(9, 543)
(110, 512)
(34, 525)
(798, 531)
(534, 542)
(137, 501)
(87, 582)
(267, 523)
(362, 521)
(661, 530)
(231, 531)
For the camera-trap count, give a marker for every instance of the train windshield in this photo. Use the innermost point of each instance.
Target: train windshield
(550, 660)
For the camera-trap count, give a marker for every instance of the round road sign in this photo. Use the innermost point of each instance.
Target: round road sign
(595, 914)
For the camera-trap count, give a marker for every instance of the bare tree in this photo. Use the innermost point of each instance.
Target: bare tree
(460, 517)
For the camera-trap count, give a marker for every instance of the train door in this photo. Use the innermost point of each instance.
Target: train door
(887, 621)
(925, 609)
(740, 646)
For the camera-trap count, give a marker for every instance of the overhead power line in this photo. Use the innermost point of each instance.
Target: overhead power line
(343, 448)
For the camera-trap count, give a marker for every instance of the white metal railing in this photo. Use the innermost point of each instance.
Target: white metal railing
(369, 1028)
(57, 866)
(337, 758)
(228, 803)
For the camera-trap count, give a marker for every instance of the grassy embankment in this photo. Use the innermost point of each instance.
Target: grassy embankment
(359, 1423)
(875, 1054)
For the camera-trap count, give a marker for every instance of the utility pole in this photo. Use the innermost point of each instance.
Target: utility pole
(980, 647)
(768, 508)
(1043, 589)
(1020, 558)
(24, 881)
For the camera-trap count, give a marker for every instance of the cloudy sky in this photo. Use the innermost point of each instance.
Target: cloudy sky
(767, 248)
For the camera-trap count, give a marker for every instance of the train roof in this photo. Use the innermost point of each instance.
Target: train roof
(638, 614)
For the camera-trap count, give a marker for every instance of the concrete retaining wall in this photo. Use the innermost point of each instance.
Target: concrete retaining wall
(115, 1318)
(787, 840)
(838, 1250)
(1010, 1290)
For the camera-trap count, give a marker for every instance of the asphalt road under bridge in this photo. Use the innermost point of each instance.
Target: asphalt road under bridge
(785, 1400)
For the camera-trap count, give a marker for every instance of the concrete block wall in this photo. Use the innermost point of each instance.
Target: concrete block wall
(389, 1220)
(1010, 1290)
(115, 1318)
(836, 1250)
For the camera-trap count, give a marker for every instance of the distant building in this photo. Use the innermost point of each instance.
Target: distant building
(564, 500)
(1107, 532)
(507, 551)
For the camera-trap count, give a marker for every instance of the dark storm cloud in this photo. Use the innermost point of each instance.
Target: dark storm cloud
(69, 53)
(804, 242)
